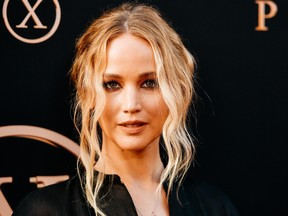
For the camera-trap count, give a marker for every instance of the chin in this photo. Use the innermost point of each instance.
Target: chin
(136, 145)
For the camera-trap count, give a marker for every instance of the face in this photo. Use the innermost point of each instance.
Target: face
(135, 110)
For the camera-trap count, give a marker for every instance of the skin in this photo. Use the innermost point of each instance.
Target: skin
(132, 121)
(135, 110)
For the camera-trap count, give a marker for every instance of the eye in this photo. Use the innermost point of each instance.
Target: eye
(149, 83)
(111, 85)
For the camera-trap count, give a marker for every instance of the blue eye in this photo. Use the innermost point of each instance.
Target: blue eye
(111, 85)
(150, 83)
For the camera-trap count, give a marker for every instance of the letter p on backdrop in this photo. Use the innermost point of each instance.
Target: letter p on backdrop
(262, 15)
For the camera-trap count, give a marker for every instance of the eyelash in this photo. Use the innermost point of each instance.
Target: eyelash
(109, 85)
(151, 81)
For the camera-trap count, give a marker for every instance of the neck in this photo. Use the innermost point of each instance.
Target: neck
(140, 171)
(134, 166)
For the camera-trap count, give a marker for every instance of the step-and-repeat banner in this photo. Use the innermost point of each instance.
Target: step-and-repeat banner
(241, 48)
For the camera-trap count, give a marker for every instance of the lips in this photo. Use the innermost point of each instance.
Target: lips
(133, 127)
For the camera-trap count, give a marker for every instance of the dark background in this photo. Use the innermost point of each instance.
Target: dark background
(241, 109)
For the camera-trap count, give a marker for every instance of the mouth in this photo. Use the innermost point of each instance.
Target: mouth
(132, 124)
(133, 127)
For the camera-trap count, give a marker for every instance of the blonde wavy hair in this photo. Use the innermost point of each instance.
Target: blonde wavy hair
(174, 69)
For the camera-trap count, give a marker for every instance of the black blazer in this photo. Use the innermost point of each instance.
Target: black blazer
(66, 199)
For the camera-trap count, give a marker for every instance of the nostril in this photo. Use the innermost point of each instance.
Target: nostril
(131, 100)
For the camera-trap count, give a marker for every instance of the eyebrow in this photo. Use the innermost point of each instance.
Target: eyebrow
(117, 76)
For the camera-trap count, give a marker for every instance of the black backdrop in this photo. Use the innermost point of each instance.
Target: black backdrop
(241, 107)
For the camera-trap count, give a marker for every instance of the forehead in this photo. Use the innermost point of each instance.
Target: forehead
(129, 53)
(126, 42)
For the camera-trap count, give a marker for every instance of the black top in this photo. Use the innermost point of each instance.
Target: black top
(66, 198)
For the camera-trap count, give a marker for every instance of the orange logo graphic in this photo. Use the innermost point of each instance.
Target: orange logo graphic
(262, 15)
(45, 136)
(31, 14)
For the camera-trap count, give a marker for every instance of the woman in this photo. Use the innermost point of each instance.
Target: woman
(134, 84)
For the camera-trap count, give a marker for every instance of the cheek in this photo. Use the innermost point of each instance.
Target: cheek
(159, 107)
(164, 112)
(111, 106)
(106, 121)
(107, 114)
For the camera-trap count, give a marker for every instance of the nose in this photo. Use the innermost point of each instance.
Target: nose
(131, 100)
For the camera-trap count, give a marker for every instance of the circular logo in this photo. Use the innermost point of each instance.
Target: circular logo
(31, 23)
(40, 136)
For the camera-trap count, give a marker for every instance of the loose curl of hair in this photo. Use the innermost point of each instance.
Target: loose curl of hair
(174, 69)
